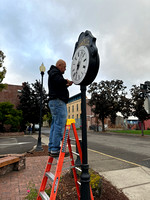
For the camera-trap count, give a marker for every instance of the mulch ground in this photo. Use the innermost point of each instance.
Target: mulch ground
(67, 189)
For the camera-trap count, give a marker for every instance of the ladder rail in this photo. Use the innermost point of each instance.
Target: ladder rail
(56, 178)
(60, 163)
(73, 169)
(44, 180)
(77, 141)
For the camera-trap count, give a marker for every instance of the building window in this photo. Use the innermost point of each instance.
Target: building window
(77, 116)
(69, 109)
(68, 116)
(72, 108)
(77, 107)
(72, 116)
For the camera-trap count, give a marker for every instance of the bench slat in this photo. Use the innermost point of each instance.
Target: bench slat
(8, 160)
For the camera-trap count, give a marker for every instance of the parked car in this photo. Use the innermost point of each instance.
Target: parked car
(37, 127)
(94, 127)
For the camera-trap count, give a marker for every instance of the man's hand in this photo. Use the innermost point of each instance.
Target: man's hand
(69, 83)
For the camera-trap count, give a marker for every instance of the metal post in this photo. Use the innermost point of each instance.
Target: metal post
(78, 161)
(39, 146)
(85, 177)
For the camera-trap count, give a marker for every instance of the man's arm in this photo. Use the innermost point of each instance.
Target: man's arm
(58, 80)
(69, 83)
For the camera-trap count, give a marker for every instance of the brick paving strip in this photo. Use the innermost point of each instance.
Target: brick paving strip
(14, 185)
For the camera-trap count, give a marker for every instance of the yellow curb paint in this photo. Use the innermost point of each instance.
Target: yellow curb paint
(115, 158)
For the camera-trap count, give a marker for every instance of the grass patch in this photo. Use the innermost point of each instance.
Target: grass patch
(138, 132)
(32, 192)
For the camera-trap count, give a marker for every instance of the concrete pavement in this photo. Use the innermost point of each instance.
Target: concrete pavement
(134, 182)
(131, 178)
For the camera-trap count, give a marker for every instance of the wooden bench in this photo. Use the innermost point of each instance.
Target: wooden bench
(8, 160)
(12, 162)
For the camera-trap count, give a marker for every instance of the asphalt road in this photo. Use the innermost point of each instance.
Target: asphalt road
(19, 144)
(134, 149)
(131, 148)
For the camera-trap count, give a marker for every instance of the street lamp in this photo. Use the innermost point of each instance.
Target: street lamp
(39, 146)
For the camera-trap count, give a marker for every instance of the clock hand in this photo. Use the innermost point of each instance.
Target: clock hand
(79, 61)
(78, 65)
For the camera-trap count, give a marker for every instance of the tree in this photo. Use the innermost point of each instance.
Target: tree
(30, 103)
(36, 97)
(108, 98)
(9, 116)
(137, 105)
(125, 105)
(47, 117)
(25, 103)
(3, 72)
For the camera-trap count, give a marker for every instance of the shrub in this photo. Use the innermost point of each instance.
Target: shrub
(96, 183)
(9, 117)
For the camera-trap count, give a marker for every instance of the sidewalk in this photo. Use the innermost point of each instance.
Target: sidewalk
(133, 180)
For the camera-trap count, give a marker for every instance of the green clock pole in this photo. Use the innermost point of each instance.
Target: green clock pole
(85, 177)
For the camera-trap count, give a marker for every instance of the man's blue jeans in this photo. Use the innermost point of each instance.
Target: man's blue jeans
(58, 110)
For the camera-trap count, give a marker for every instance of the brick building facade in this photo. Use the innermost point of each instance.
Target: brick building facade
(10, 94)
(74, 111)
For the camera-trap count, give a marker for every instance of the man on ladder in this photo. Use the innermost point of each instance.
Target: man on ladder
(58, 97)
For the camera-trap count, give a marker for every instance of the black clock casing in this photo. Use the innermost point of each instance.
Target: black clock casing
(84, 69)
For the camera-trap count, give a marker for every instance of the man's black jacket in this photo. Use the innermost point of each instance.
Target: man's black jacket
(57, 85)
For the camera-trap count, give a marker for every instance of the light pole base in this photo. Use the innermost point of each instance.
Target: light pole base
(39, 146)
(85, 183)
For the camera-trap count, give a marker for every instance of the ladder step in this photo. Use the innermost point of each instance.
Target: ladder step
(44, 196)
(52, 163)
(50, 176)
(78, 182)
(78, 169)
(65, 168)
(73, 139)
(56, 158)
(75, 153)
(68, 160)
(71, 167)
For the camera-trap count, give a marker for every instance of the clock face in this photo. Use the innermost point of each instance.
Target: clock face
(80, 64)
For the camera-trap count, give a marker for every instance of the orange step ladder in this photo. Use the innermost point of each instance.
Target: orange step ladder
(42, 195)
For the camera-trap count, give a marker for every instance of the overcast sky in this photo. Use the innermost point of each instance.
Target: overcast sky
(36, 31)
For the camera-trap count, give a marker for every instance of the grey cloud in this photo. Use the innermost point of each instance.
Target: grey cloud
(39, 31)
